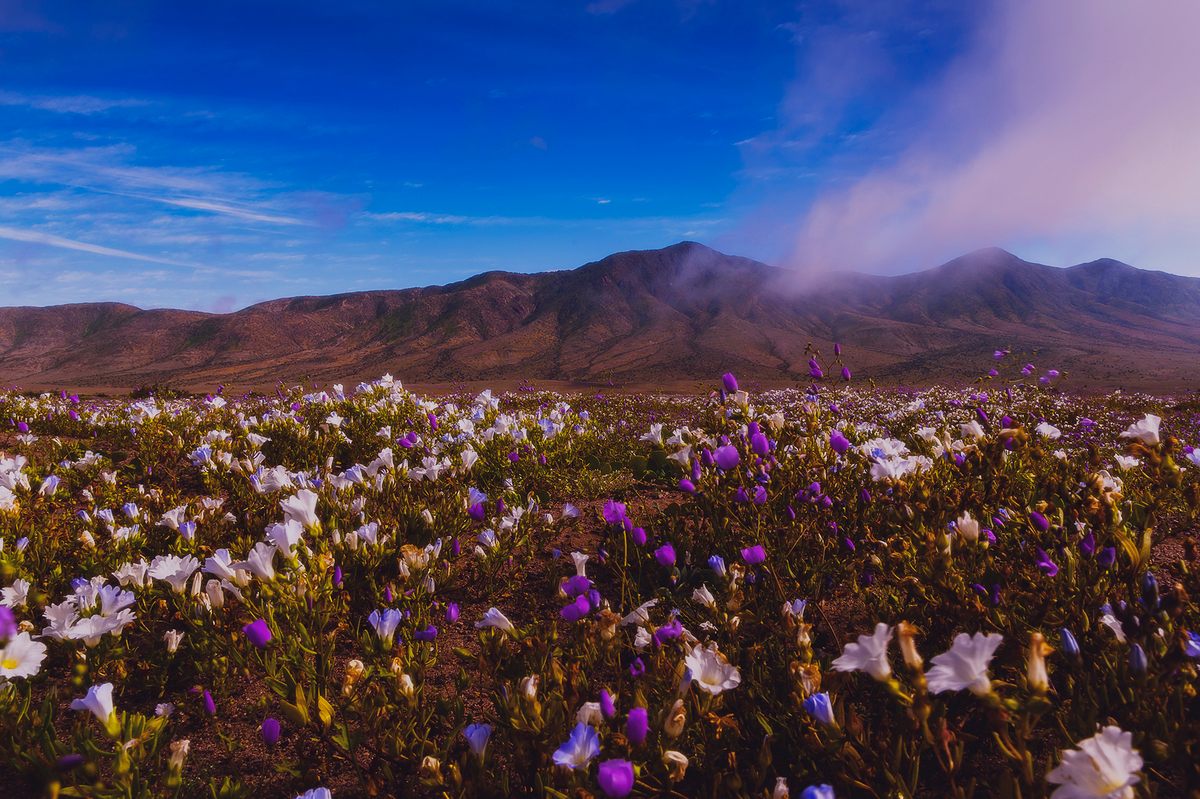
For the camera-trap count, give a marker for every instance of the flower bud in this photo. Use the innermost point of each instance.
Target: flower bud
(1036, 674)
(676, 763)
(676, 718)
(906, 633)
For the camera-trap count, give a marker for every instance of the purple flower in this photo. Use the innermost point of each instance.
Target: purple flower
(637, 668)
(741, 496)
(8, 623)
(1108, 556)
(729, 382)
(579, 584)
(210, 707)
(1048, 567)
(820, 708)
(577, 610)
(760, 495)
(607, 706)
(478, 511)
(1039, 521)
(70, 761)
(452, 613)
(839, 442)
(687, 486)
(665, 555)
(1088, 545)
(727, 457)
(760, 444)
(258, 633)
(846, 374)
(270, 731)
(614, 512)
(337, 576)
(638, 724)
(754, 555)
(428, 634)
(615, 777)
(639, 536)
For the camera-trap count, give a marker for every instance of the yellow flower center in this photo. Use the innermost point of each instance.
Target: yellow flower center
(9, 663)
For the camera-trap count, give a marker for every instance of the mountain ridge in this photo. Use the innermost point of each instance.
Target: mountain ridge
(641, 317)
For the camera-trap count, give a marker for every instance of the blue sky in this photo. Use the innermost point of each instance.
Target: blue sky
(211, 155)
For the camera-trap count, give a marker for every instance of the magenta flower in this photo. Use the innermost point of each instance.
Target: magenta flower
(665, 555)
(1048, 567)
(614, 512)
(270, 731)
(578, 609)
(637, 726)
(258, 633)
(615, 777)
(754, 555)
(607, 705)
(727, 457)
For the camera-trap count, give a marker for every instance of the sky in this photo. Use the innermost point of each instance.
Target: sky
(213, 155)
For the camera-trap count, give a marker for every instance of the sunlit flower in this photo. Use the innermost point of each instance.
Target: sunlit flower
(21, 657)
(965, 665)
(711, 671)
(579, 749)
(1104, 766)
(98, 702)
(1144, 430)
(869, 654)
(494, 618)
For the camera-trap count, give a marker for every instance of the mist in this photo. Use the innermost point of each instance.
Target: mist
(1068, 130)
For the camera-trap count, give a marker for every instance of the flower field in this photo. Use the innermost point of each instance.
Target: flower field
(833, 590)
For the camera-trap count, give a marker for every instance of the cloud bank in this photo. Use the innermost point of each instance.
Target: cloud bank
(1068, 128)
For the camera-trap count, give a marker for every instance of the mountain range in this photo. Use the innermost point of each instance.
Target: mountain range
(673, 318)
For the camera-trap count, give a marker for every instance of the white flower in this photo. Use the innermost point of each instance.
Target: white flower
(174, 570)
(15, 595)
(302, 507)
(704, 597)
(869, 654)
(260, 562)
(98, 701)
(711, 671)
(781, 789)
(172, 638)
(179, 753)
(965, 665)
(1103, 767)
(1145, 431)
(285, 536)
(971, 430)
(21, 657)
(1127, 462)
(580, 560)
(589, 713)
(1046, 430)
(967, 527)
(494, 618)
(1110, 621)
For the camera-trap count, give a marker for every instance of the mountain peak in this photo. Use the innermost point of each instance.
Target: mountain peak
(645, 317)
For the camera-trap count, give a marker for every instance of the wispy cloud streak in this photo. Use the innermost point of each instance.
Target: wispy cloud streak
(49, 240)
